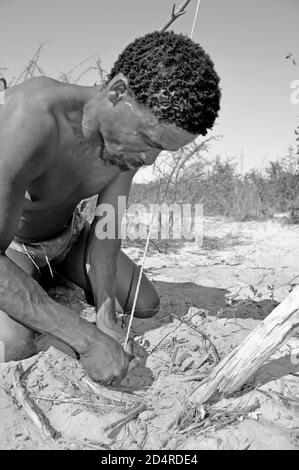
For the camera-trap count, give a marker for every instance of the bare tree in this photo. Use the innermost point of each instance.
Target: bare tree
(31, 67)
(77, 72)
(179, 163)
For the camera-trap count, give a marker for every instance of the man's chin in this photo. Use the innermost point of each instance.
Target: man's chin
(124, 162)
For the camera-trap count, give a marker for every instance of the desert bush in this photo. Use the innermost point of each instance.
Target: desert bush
(223, 191)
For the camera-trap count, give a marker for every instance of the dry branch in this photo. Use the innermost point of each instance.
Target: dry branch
(204, 335)
(30, 68)
(175, 14)
(108, 393)
(126, 418)
(30, 407)
(244, 361)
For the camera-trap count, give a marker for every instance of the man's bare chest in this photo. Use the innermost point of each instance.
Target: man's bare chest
(75, 173)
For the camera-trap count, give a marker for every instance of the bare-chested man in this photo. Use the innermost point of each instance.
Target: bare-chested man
(62, 143)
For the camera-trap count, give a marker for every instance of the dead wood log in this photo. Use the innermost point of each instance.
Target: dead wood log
(244, 361)
(30, 407)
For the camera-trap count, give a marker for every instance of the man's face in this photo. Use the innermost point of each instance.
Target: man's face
(132, 131)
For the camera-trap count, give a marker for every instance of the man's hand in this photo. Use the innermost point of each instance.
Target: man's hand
(105, 361)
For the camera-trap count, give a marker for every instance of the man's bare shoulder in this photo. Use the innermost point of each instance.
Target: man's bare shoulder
(27, 124)
(34, 96)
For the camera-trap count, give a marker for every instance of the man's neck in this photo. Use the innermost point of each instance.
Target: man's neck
(75, 97)
(73, 101)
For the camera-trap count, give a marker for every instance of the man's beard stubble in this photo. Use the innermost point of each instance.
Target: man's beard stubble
(124, 162)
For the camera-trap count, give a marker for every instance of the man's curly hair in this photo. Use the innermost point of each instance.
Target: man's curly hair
(174, 77)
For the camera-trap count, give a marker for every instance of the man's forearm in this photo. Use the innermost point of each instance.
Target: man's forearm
(22, 298)
(102, 262)
(103, 253)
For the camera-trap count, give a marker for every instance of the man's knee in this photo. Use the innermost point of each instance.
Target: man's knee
(150, 308)
(154, 309)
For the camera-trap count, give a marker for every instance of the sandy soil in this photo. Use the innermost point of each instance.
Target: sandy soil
(223, 289)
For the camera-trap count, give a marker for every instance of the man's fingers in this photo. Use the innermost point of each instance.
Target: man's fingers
(130, 349)
(134, 363)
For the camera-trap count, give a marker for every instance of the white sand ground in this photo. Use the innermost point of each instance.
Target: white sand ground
(225, 288)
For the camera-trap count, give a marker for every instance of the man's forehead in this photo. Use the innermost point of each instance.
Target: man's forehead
(175, 132)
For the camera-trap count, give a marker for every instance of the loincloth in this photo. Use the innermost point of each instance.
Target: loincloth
(56, 249)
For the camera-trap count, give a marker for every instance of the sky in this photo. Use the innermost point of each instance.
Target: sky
(247, 41)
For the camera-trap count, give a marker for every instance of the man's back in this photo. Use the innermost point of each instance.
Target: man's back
(66, 167)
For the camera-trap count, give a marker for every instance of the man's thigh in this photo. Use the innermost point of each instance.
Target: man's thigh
(74, 268)
(24, 262)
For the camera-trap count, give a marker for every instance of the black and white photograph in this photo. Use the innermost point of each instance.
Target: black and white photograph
(149, 228)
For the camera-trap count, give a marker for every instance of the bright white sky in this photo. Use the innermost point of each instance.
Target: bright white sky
(247, 40)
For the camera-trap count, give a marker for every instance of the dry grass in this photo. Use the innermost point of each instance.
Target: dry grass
(195, 420)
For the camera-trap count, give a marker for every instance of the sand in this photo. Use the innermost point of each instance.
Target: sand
(223, 289)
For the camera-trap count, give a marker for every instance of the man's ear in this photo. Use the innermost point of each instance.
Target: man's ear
(118, 89)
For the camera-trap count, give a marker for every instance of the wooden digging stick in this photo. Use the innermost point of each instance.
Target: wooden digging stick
(244, 361)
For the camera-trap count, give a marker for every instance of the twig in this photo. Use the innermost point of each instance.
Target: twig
(204, 360)
(173, 358)
(204, 335)
(95, 445)
(175, 14)
(112, 395)
(71, 401)
(221, 419)
(125, 419)
(160, 342)
(29, 70)
(30, 407)
(197, 377)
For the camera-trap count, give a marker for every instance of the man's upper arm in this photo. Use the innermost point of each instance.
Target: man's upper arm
(21, 138)
(120, 186)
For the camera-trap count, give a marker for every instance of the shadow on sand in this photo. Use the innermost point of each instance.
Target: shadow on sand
(176, 298)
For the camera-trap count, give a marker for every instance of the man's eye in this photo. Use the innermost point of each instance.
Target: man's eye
(147, 141)
(152, 144)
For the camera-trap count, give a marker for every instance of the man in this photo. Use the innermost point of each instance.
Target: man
(62, 143)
